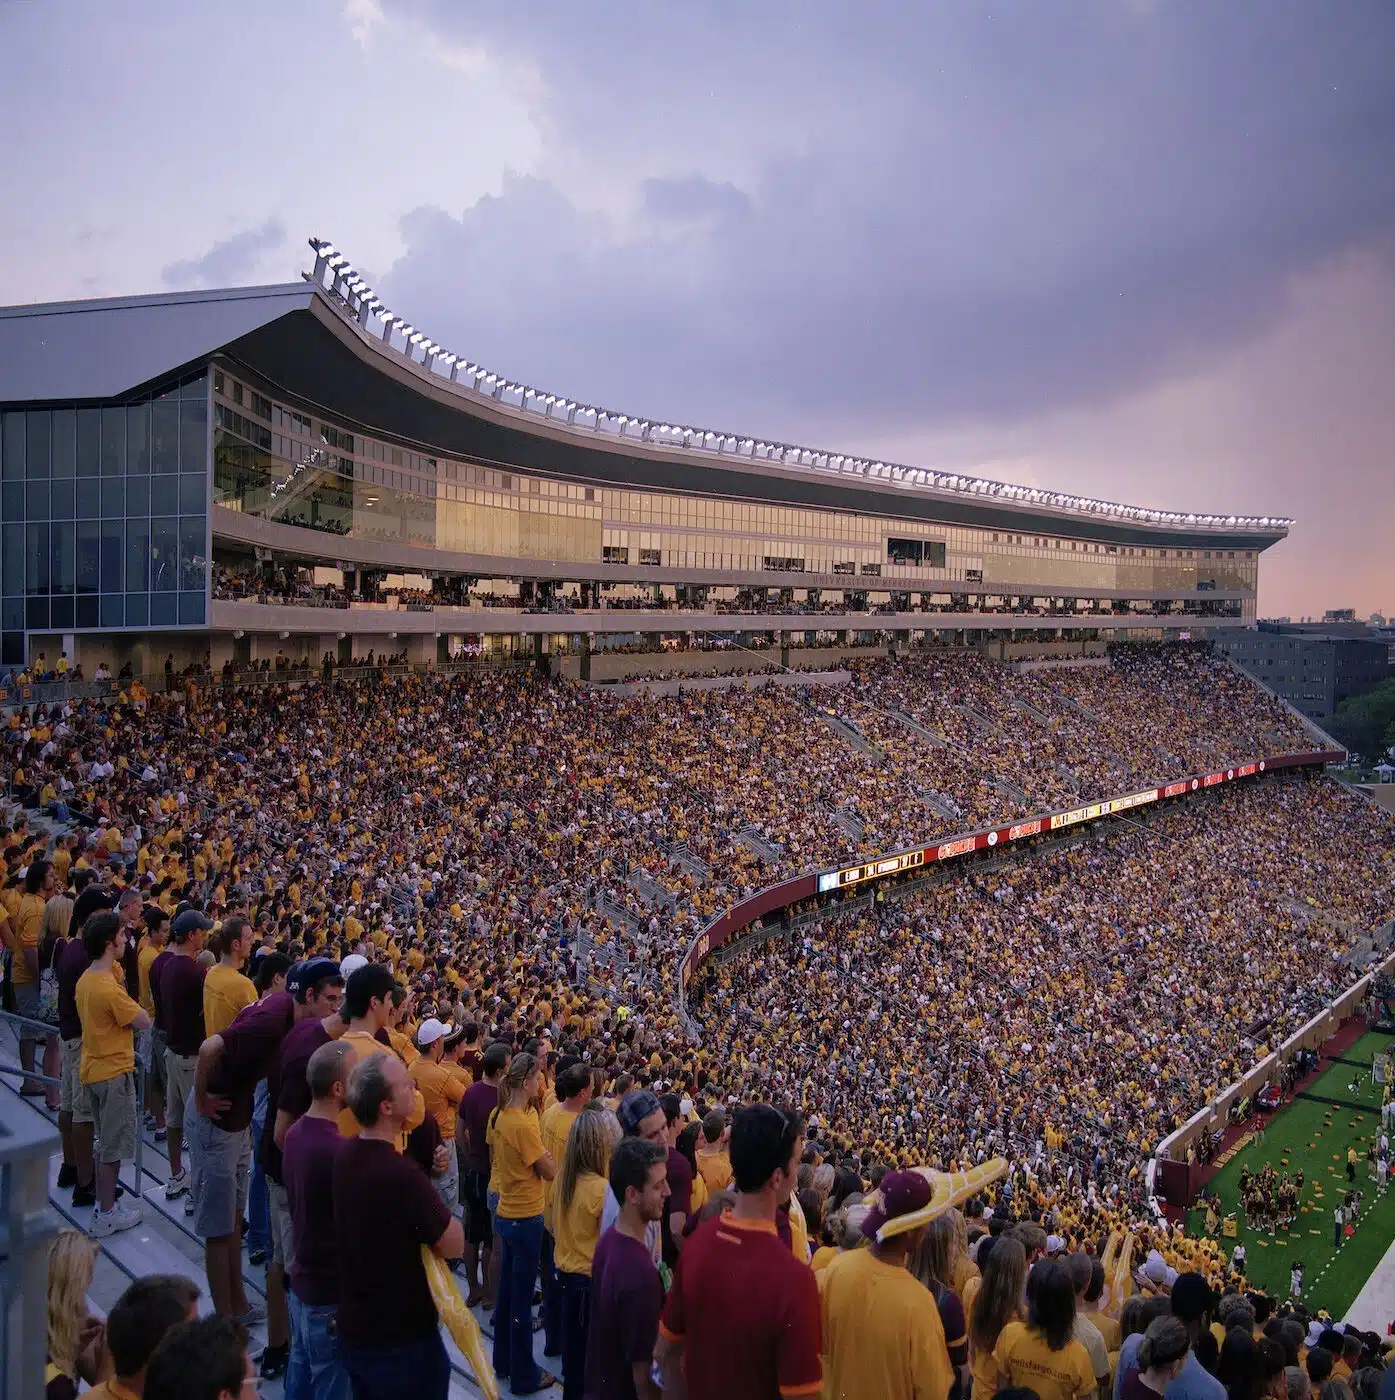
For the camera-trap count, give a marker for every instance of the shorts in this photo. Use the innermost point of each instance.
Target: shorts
(114, 1117)
(158, 1050)
(279, 1209)
(222, 1164)
(73, 1095)
(179, 1102)
(474, 1191)
(27, 1004)
(448, 1183)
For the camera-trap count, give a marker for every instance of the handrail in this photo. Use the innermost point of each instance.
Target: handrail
(879, 868)
(141, 1069)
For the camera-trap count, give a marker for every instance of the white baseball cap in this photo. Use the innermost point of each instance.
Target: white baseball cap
(431, 1030)
(351, 964)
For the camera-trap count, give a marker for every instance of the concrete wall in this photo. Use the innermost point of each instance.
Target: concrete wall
(672, 687)
(1382, 794)
(613, 666)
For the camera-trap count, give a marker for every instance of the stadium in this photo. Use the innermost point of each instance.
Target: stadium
(916, 805)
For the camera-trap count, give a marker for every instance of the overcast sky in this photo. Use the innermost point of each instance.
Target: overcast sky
(1142, 249)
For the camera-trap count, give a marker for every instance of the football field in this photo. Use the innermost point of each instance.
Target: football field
(1340, 1109)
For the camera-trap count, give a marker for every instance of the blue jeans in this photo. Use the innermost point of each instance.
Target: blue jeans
(576, 1318)
(417, 1371)
(258, 1209)
(552, 1300)
(317, 1369)
(521, 1241)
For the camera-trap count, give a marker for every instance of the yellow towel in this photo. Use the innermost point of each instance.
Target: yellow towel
(460, 1321)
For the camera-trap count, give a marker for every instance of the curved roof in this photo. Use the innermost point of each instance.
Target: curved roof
(335, 349)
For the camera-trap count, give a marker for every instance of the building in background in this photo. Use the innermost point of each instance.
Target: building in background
(294, 470)
(1312, 665)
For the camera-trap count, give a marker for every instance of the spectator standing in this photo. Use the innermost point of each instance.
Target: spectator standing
(713, 1157)
(1041, 1354)
(933, 1264)
(75, 1109)
(312, 1145)
(678, 1204)
(136, 1324)
(625, 1293)
(367, 1010)
(882, 1333)
(1191, 1302)
(441, 1091)
(176, 983)
(151, 945)
(573, 1088)
(1080, 1268)
(641, 1115)
(520, 1165)
(385, 1210)
(109, 1018)
(202, 1360)
(471, 1131)
(226, 988)
(1161, 1355)
(578, 1198)
(742, 1318)
(997, 1302)
(22, 937)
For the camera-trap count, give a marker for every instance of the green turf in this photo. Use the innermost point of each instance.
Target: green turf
(1314, 1137)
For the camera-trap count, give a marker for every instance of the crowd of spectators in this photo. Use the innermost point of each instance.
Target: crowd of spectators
(474, 840)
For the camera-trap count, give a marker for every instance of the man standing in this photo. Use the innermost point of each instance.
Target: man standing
(151, 945)
(680, 1182)
(742, 1318)
(626, 1296)
(367, 1009)
(40, 885)
(471, 1129)
(882, 1333)
(385, 1210)
(441, 1091)
(176, 984)
(1192, 1302)
(312, 1145)
(107, 1072)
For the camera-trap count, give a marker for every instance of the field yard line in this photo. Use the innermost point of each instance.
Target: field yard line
(1374, 1308)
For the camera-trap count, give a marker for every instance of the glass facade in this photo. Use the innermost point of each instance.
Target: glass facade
(277, 462)
(104, 516)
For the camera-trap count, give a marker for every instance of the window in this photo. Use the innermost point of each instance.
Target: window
(844, 566)
(872, 570)
(650, 556)
(615, 554)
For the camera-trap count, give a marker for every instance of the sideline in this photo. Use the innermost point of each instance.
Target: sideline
(1374, 1307)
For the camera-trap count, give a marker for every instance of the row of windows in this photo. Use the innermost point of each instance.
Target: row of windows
(103, 610)
(166, 555)
(440, 479)
(162, 437)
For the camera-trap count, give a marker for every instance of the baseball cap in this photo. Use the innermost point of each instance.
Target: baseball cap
(351, 964)
(190, 921)
(1055, 1244)
(635, 1107)
(308, 974)
(900, 1195)
(430, 1031)
(1191, 1297)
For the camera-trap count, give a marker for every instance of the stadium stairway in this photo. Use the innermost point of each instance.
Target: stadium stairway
(163, 1242)
(936, 741)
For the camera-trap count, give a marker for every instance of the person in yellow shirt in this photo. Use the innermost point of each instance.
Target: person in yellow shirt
(227, 989)
(714, 1163)
(573, 1088)
(882, 1333)
(1041, 1354)
(441, 1091)
(107, 1068)
(137, 1322)
(366, 1009)
(997, 1302)
(22, 938)
(398, 1032)
(520, 1166)
(578, 1199)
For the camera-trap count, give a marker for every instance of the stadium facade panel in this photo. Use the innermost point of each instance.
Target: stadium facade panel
(152, 448)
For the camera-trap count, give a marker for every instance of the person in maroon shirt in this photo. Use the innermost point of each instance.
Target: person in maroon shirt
(471, 1126)
(178, 975)
(385, 1210)
(626, 1296)
(679, 1204)
(742, 1320)
(312, 1145)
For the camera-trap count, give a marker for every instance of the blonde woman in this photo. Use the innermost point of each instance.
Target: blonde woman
(76, 1343)
(577, 1204)
(932, 1262)
(998, 1302)
(520, 1164)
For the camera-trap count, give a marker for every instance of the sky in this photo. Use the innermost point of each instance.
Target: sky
(1137, 249)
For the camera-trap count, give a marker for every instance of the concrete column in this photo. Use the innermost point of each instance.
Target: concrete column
(586, 656)
(421, 649)
(785, 649)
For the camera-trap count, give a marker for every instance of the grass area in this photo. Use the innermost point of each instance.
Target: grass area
(1313, 1136)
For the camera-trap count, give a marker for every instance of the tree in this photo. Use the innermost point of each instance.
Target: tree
(1365, 723)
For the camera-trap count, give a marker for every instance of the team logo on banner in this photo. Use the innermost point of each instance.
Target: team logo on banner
(992, 838)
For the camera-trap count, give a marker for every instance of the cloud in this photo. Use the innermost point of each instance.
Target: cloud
(229, 261)
(788, 215)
